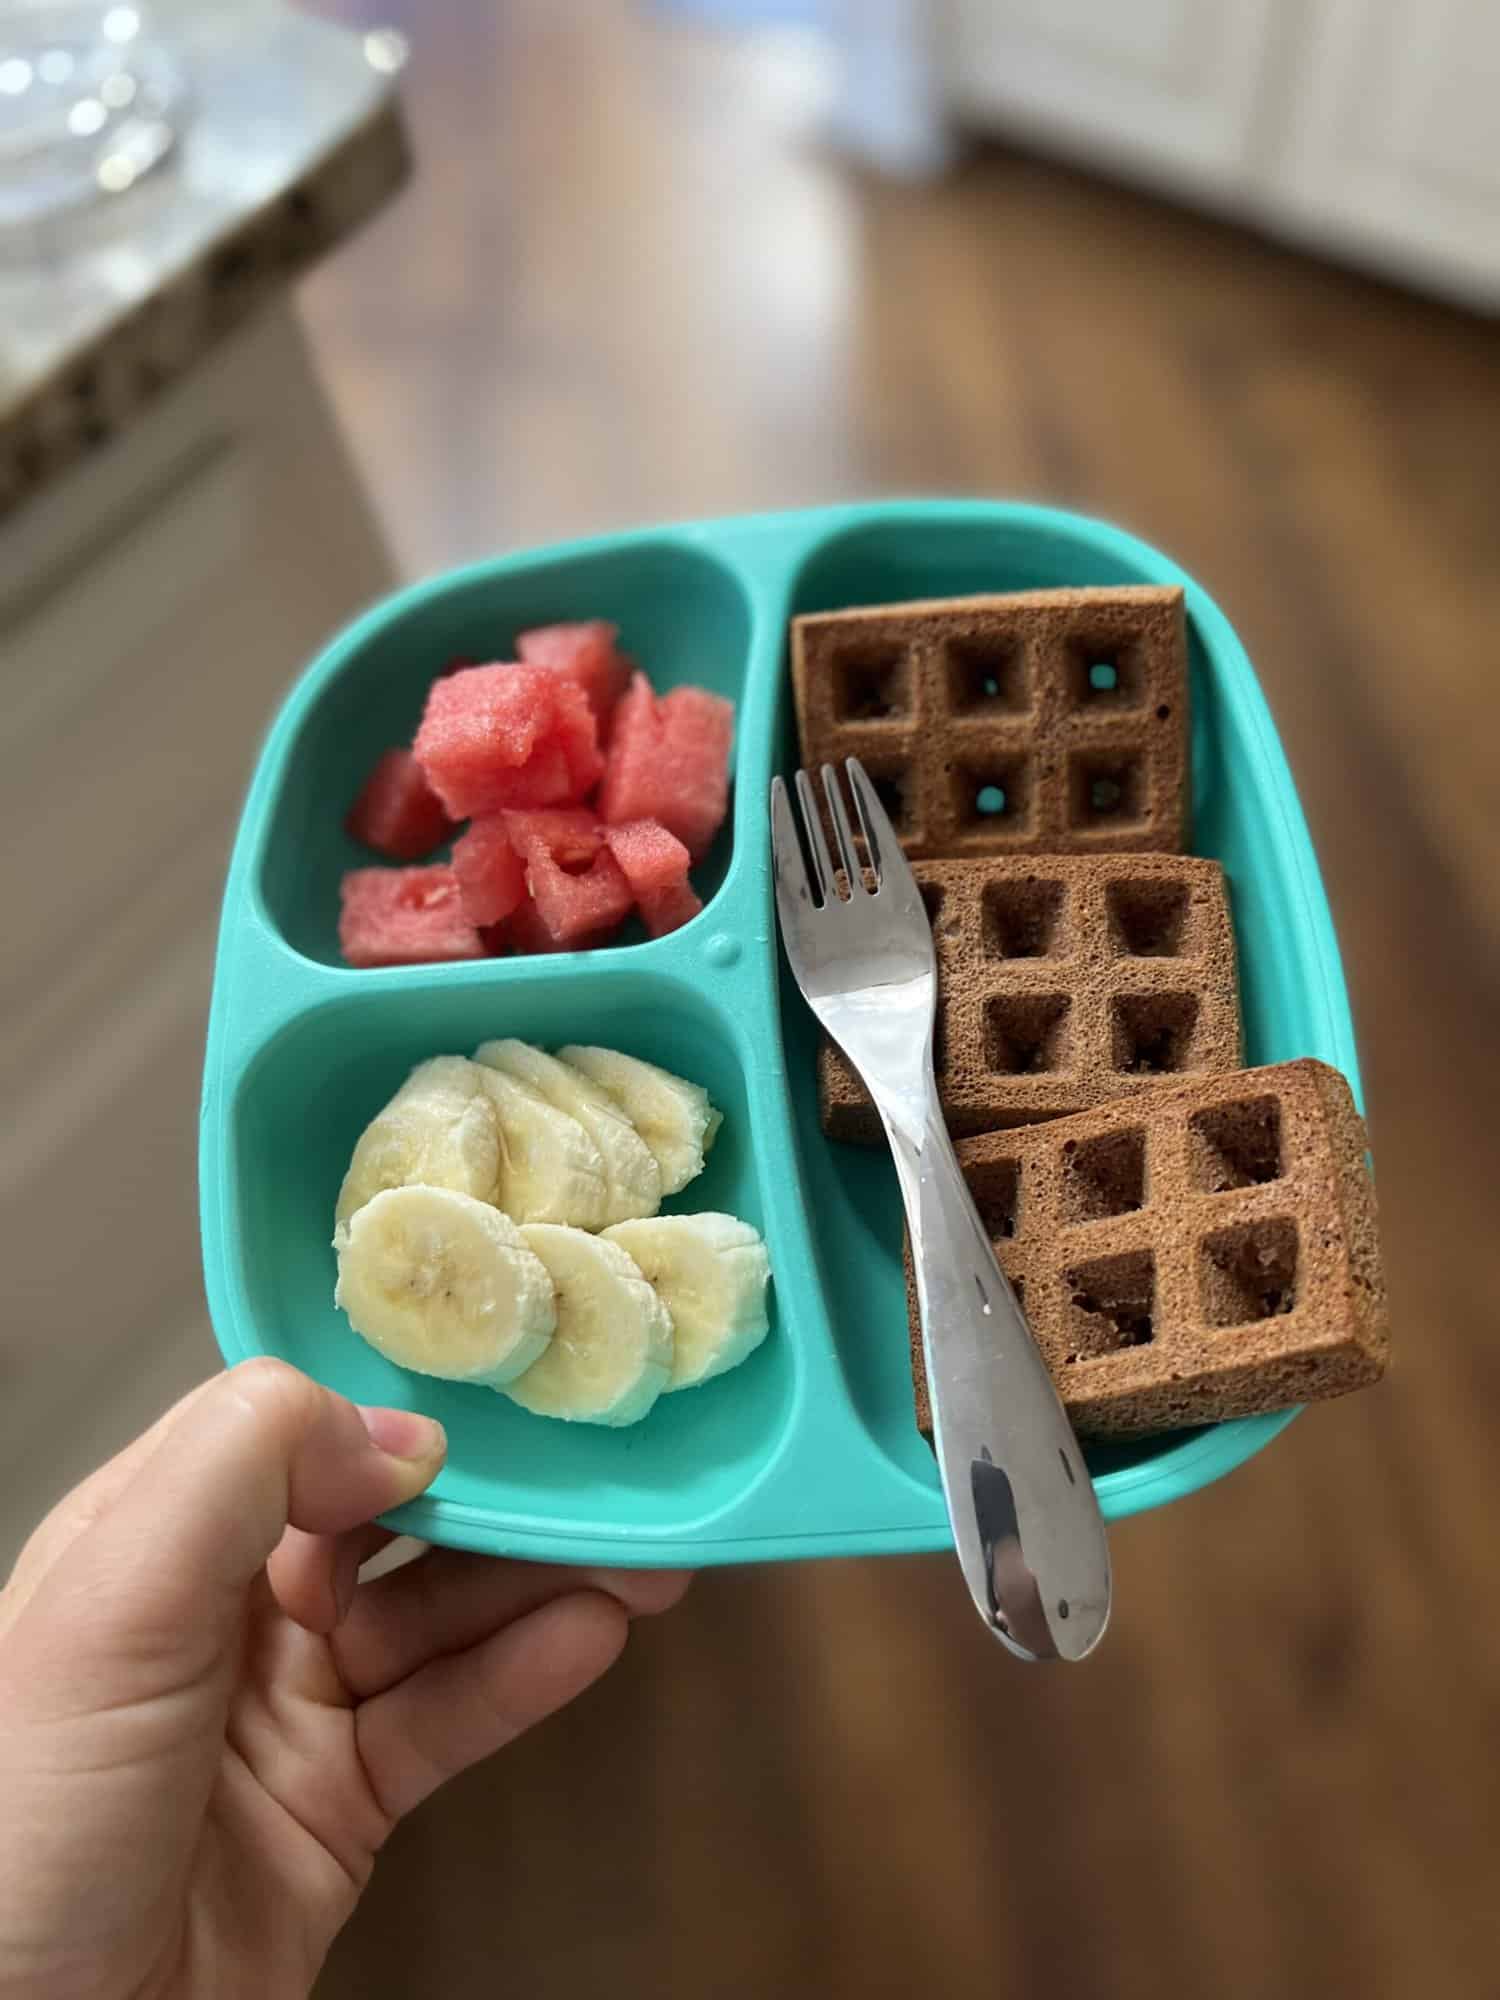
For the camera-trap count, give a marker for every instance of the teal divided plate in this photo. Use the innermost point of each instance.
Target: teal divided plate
(809, 1449)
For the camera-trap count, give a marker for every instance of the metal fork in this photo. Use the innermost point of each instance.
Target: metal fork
(1026, 1524)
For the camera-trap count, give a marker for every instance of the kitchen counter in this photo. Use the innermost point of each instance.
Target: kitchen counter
(294, 138)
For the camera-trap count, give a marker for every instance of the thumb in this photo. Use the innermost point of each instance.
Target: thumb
(157, 1585)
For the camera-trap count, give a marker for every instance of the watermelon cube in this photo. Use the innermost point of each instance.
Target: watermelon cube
(655, 864)
(397, 812)
(576, 892)
(506, 735)
(527, 934)
(634, 747)
(579, 909)
(578, 738)
(568, 835)
(668, 760)
(698, 729)
(404, 916)
(584, 653)
(491, 875)
(664, 910)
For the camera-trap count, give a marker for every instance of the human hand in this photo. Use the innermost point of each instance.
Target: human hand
(208, 1726)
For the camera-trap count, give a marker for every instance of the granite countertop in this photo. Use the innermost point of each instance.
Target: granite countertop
(295, 136)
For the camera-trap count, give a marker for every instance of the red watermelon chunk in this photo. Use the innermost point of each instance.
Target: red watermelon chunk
(655, 864)
(577, 893)
(545, 779)
(577, 910)
(491, 875)
(527, 933)
(584, 653)
(506, 735)
(699, 729)
(630, 763)
(668, 760)
(397, 812)
(578, 738)
(651, 857)
(664, 910)
(568, 835)
(404, 916)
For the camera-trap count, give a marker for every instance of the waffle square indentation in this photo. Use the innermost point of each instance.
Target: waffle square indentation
(1104, 673)
(1026, 1034)
(1147, 917)
(1111, 1305)
(1022, 918)
(892, 782)
(1152, 1033)
(996, 1188)
(1104, 1176)
(1236, 1145)
(985, 677)
(872, 682)
(1248, 1273)
(991, 793)
(1107, 789)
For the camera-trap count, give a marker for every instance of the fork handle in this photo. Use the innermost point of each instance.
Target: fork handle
(1026, 1522)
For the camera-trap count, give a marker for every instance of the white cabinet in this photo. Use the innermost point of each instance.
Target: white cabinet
(1368, 127)
(1392, 138)
(1166, 86)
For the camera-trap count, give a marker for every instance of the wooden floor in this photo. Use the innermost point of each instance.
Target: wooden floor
(622, 289)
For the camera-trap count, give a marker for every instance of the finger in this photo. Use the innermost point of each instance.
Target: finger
(80, 1508)
(159, 1581)
(447, 1601)
(457, 1710)
(314, 1577)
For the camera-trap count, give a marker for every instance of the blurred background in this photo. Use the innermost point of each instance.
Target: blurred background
(1226, 272)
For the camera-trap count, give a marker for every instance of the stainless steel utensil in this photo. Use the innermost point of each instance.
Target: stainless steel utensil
(1026, 1524)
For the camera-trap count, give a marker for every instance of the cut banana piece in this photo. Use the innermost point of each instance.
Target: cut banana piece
(612, 1352)
(632, 1178)
(673, 1116)
(550, 1169)
(438, 1130)
(445, 1284)
(710, 1272)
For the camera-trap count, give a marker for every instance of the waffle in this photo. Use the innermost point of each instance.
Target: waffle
(1204, 1251)
(1045, 722)
(1063, 981)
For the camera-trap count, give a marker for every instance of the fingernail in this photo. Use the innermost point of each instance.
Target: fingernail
(403, 1433)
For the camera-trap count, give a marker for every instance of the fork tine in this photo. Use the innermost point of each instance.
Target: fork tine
(788, 868)
(843, 833)
(817, 846)
(787, 864)
(892, 868)
(872, 817)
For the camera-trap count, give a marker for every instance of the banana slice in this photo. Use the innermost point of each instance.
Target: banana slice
(550, 1169)
(612, 1352)
(439, 1129)
(445, 1284)
(673, 1116)
(710, 1272)
(632, 1179)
